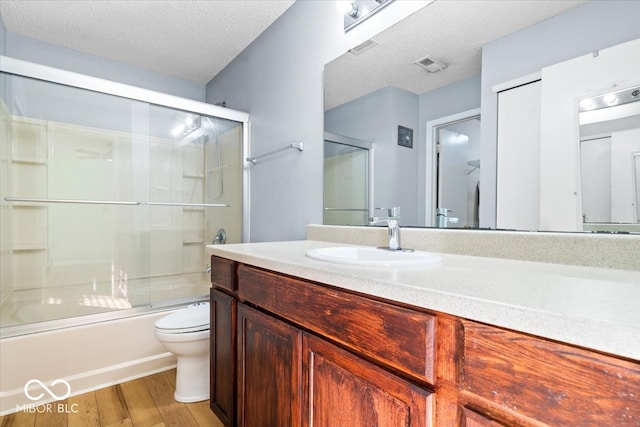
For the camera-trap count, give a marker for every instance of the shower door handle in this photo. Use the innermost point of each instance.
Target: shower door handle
(82, 202)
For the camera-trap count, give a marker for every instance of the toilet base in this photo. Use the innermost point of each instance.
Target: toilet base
(190, 399)
(192, 379)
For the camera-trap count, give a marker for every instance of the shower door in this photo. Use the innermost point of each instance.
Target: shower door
(346, 182)
(107, 202)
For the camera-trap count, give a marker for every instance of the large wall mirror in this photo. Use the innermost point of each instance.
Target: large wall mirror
(427, 68)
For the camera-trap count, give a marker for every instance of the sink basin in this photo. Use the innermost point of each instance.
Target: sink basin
(363, 255)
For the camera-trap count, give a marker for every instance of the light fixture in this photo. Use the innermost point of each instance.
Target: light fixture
(190, 124)
(618, 97)
(357, 11)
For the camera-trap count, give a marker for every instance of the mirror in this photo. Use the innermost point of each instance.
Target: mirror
(610, 160)
(347, 183)
(428, 67)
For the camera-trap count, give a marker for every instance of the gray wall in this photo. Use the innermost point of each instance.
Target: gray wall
(595, 25)
(3, 37)
(375, 117)
(39, 52)
(278, 80)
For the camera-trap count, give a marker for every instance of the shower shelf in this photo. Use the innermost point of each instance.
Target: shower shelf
(29, 161)
(193, 175)
(29, 248)
(193, 241)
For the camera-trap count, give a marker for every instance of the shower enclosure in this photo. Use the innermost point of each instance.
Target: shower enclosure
(108, 196)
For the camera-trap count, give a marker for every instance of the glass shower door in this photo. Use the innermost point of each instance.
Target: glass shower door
(346, 184)
(69, 167)
(194, 194)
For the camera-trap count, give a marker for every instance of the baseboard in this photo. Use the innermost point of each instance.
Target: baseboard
(15, 400)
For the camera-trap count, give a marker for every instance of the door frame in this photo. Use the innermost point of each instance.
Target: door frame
(431, 157)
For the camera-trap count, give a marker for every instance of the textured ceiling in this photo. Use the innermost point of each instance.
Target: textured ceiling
(189, 39)
(452, 31)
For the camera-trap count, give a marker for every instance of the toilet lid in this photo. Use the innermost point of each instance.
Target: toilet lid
(189, 319)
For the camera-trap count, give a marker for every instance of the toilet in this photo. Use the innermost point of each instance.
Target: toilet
(185, 333)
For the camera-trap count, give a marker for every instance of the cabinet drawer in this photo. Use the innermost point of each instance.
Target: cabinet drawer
(223, 273)
(400, 338)
(549, 382)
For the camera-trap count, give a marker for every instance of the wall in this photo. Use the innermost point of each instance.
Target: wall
(3, 37)
(623, 204)
(593, 26)
(278, 80)
(28, 49)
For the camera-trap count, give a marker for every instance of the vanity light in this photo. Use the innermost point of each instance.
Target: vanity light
(618, 97)
(357, 11)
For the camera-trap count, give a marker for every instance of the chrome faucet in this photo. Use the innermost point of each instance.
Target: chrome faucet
(443, 219)
(392, 220)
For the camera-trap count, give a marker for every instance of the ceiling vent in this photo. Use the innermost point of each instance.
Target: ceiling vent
(363, 46)
(431, 64)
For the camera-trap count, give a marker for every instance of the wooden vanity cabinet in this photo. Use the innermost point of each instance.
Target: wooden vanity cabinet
(311, 355)
(518, 379)
(291, 352)
(222, 356)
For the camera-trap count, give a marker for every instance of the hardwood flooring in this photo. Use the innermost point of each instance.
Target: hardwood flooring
(145, 402)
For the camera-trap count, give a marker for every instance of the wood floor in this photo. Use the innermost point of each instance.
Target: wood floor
(145, 402)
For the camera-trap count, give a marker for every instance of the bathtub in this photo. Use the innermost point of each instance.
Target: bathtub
(87, 357)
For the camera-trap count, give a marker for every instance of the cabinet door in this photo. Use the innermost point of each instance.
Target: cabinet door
(342, 389)
(269, 368)
(222, 356)
(473, 419)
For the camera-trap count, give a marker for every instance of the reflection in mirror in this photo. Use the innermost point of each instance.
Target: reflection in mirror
(346, 180)
(609, 152)
(458, 174)
(484, 48)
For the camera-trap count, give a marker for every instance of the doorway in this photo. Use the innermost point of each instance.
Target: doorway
(453, 150)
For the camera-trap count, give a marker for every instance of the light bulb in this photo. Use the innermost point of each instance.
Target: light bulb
(587, 104)
(177, 130)
(610, 99)
(343, 6)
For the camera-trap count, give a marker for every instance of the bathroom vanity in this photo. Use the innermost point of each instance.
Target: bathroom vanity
(299, 342)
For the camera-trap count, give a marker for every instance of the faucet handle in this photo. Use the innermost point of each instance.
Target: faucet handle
(393, 212)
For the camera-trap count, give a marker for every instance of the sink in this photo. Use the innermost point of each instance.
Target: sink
(369, 256)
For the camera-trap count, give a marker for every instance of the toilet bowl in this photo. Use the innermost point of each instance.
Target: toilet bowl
(185, 333)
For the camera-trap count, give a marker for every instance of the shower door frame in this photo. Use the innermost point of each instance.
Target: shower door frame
(68, 78)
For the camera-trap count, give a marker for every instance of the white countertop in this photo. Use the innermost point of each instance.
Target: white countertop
(597, 308)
